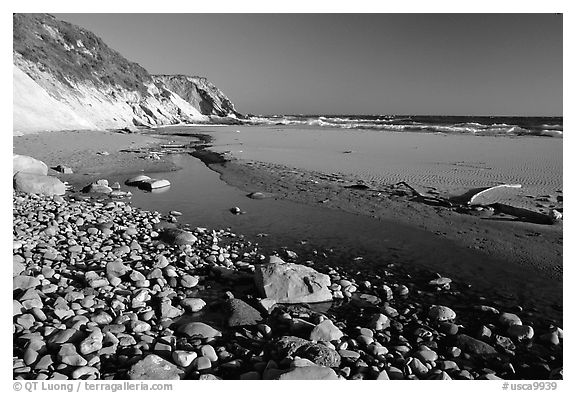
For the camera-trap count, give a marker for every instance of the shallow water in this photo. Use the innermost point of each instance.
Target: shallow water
(205, 200)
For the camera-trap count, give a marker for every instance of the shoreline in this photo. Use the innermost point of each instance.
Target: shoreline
(314, 188)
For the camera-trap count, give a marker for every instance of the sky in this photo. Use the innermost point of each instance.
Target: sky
(437, 64)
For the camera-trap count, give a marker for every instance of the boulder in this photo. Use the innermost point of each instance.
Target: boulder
(193, 304)
(292, 283)
(199, 329)
(18, 265)
(326, 331)
(153, 367)
(320, 354)
(38, 184)
(24, 283)
(26, 164)
(509, 319)
(309, 373)
(257, 195)
(241, 313)
(520, 332)
(474, 346)
(441, 314)
(178, 236)
(288, 345)
(153, 184)
(134, 181)
(97, 188)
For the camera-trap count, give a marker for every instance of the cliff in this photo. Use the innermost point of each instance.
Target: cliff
(65, 77)
(199, 92)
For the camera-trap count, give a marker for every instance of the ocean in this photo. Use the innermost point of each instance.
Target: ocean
(478, 125)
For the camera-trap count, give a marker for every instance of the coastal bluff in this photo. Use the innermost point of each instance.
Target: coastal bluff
(67, 78)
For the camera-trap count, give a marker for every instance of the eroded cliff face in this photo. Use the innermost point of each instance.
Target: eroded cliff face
(65, 77)
(199, 92)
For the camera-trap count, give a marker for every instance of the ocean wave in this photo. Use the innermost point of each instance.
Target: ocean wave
(421, 124)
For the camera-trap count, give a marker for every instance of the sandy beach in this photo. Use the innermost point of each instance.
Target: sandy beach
(448, 164)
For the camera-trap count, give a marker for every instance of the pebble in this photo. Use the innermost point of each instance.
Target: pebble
(209, 352)
(326, 331)
(68, 355)
(153, 367)
(427, 355)
(92, 343)
(202, 363)
(188, 281)
(441, 314)
(183, 358)
(199, 329)
(193, 304)
(508, 319)
(241, 313)
(101, 285)
(379, 322)
(520, 332)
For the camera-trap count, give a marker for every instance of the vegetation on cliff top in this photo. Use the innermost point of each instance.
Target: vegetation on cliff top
(72, 53)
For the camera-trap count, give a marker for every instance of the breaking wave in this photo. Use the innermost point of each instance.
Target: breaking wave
(517, 126)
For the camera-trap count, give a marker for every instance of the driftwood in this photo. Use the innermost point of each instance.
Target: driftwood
(426, 198)
(471, 195)
(524, 214)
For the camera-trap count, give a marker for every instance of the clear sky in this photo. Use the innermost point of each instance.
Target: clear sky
(451, 64)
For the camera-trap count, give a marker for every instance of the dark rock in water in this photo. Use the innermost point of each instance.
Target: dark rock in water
(241, 313)
(153, 367)
(200, 329)
(236, 210)
(309, 373)
(178, 236)
(97, 188)
(27, 164)
(292, 283)
(63, 169)
(474, 346)
(38, 184)
(257, 195)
